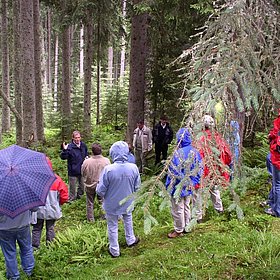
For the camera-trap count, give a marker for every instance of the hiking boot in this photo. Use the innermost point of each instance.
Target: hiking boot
(269, 211)
(264, 203)
(199, 221)
(137, 239)
(174, 234)
(113, 256)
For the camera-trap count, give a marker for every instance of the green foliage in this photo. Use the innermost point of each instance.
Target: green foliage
(234, 62)
(223, 247)
(114, 105)
(253, 157)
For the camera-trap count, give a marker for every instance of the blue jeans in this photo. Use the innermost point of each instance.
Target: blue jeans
(8, 240)
(275, 203)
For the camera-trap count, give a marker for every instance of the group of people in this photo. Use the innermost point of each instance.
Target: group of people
(111, 183)
(193, 167)
(195, 171)
(17, 230)
(143, 139)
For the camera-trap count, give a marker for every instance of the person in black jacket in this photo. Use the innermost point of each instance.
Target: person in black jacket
(162, 136)
(75, 153)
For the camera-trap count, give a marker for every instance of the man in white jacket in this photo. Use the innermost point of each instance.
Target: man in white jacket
(142, 143)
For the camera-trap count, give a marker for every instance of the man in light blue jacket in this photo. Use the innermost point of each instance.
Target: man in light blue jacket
(118, 181)
(14, 231)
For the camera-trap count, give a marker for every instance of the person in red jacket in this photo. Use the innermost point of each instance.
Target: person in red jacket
(216, 156)
(274, 144)
(50, 212)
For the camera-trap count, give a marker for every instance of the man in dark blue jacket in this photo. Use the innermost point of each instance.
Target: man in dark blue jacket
(162, 136)
(75, 153)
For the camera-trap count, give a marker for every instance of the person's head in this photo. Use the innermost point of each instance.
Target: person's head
(163, 120)
(76, 137)
(119, 151)
(183, 137)
(96, 149)
(140, 124)
(208, 122)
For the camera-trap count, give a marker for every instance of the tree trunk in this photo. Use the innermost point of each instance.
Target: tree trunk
(82, 52)
(28, 79)
(123, 42)
(49, 51)
(87, 78)
(98, 61)
(55, 83)
(66, 85)
(110, 67)
(38, 72)
(6, 123)
(17, 70)
(137, 82)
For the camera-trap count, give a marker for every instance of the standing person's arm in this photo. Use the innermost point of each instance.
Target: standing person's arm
(137, 182)
(86, 151)
(63, 191)
(65, 154)
(150, 140)
(103, 183)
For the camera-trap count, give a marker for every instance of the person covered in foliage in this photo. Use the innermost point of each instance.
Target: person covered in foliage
(142, 143)
(74, 153)
(216, 165)
(184, 174)
(162, 137)
(50, 212)
(118, 181)
(91, 170)
(274, 144)
(12, 231)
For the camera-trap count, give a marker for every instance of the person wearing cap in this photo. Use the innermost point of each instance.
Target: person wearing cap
(91, 170)
(162, 137)
(216, 171)
(274, 146)
(118, 181)
(142, 144)
(184, 174)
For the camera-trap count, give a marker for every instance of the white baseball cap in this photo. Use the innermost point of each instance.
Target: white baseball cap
(208, 121)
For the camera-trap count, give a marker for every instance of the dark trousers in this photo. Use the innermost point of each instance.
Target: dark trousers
(90, 196)
(160, 149)
(37, 231)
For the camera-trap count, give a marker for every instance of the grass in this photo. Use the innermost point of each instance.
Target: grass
(222, 247)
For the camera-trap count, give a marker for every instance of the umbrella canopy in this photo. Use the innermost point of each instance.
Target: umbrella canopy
(25, 180)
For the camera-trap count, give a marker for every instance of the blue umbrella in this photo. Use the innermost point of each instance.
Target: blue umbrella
(25, 180)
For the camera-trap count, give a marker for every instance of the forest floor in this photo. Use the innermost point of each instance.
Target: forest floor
(223, 247)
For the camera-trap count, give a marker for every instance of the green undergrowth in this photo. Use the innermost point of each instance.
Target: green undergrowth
(222, 247)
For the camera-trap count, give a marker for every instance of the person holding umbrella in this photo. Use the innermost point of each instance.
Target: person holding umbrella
(25, 180)
(14, 231)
